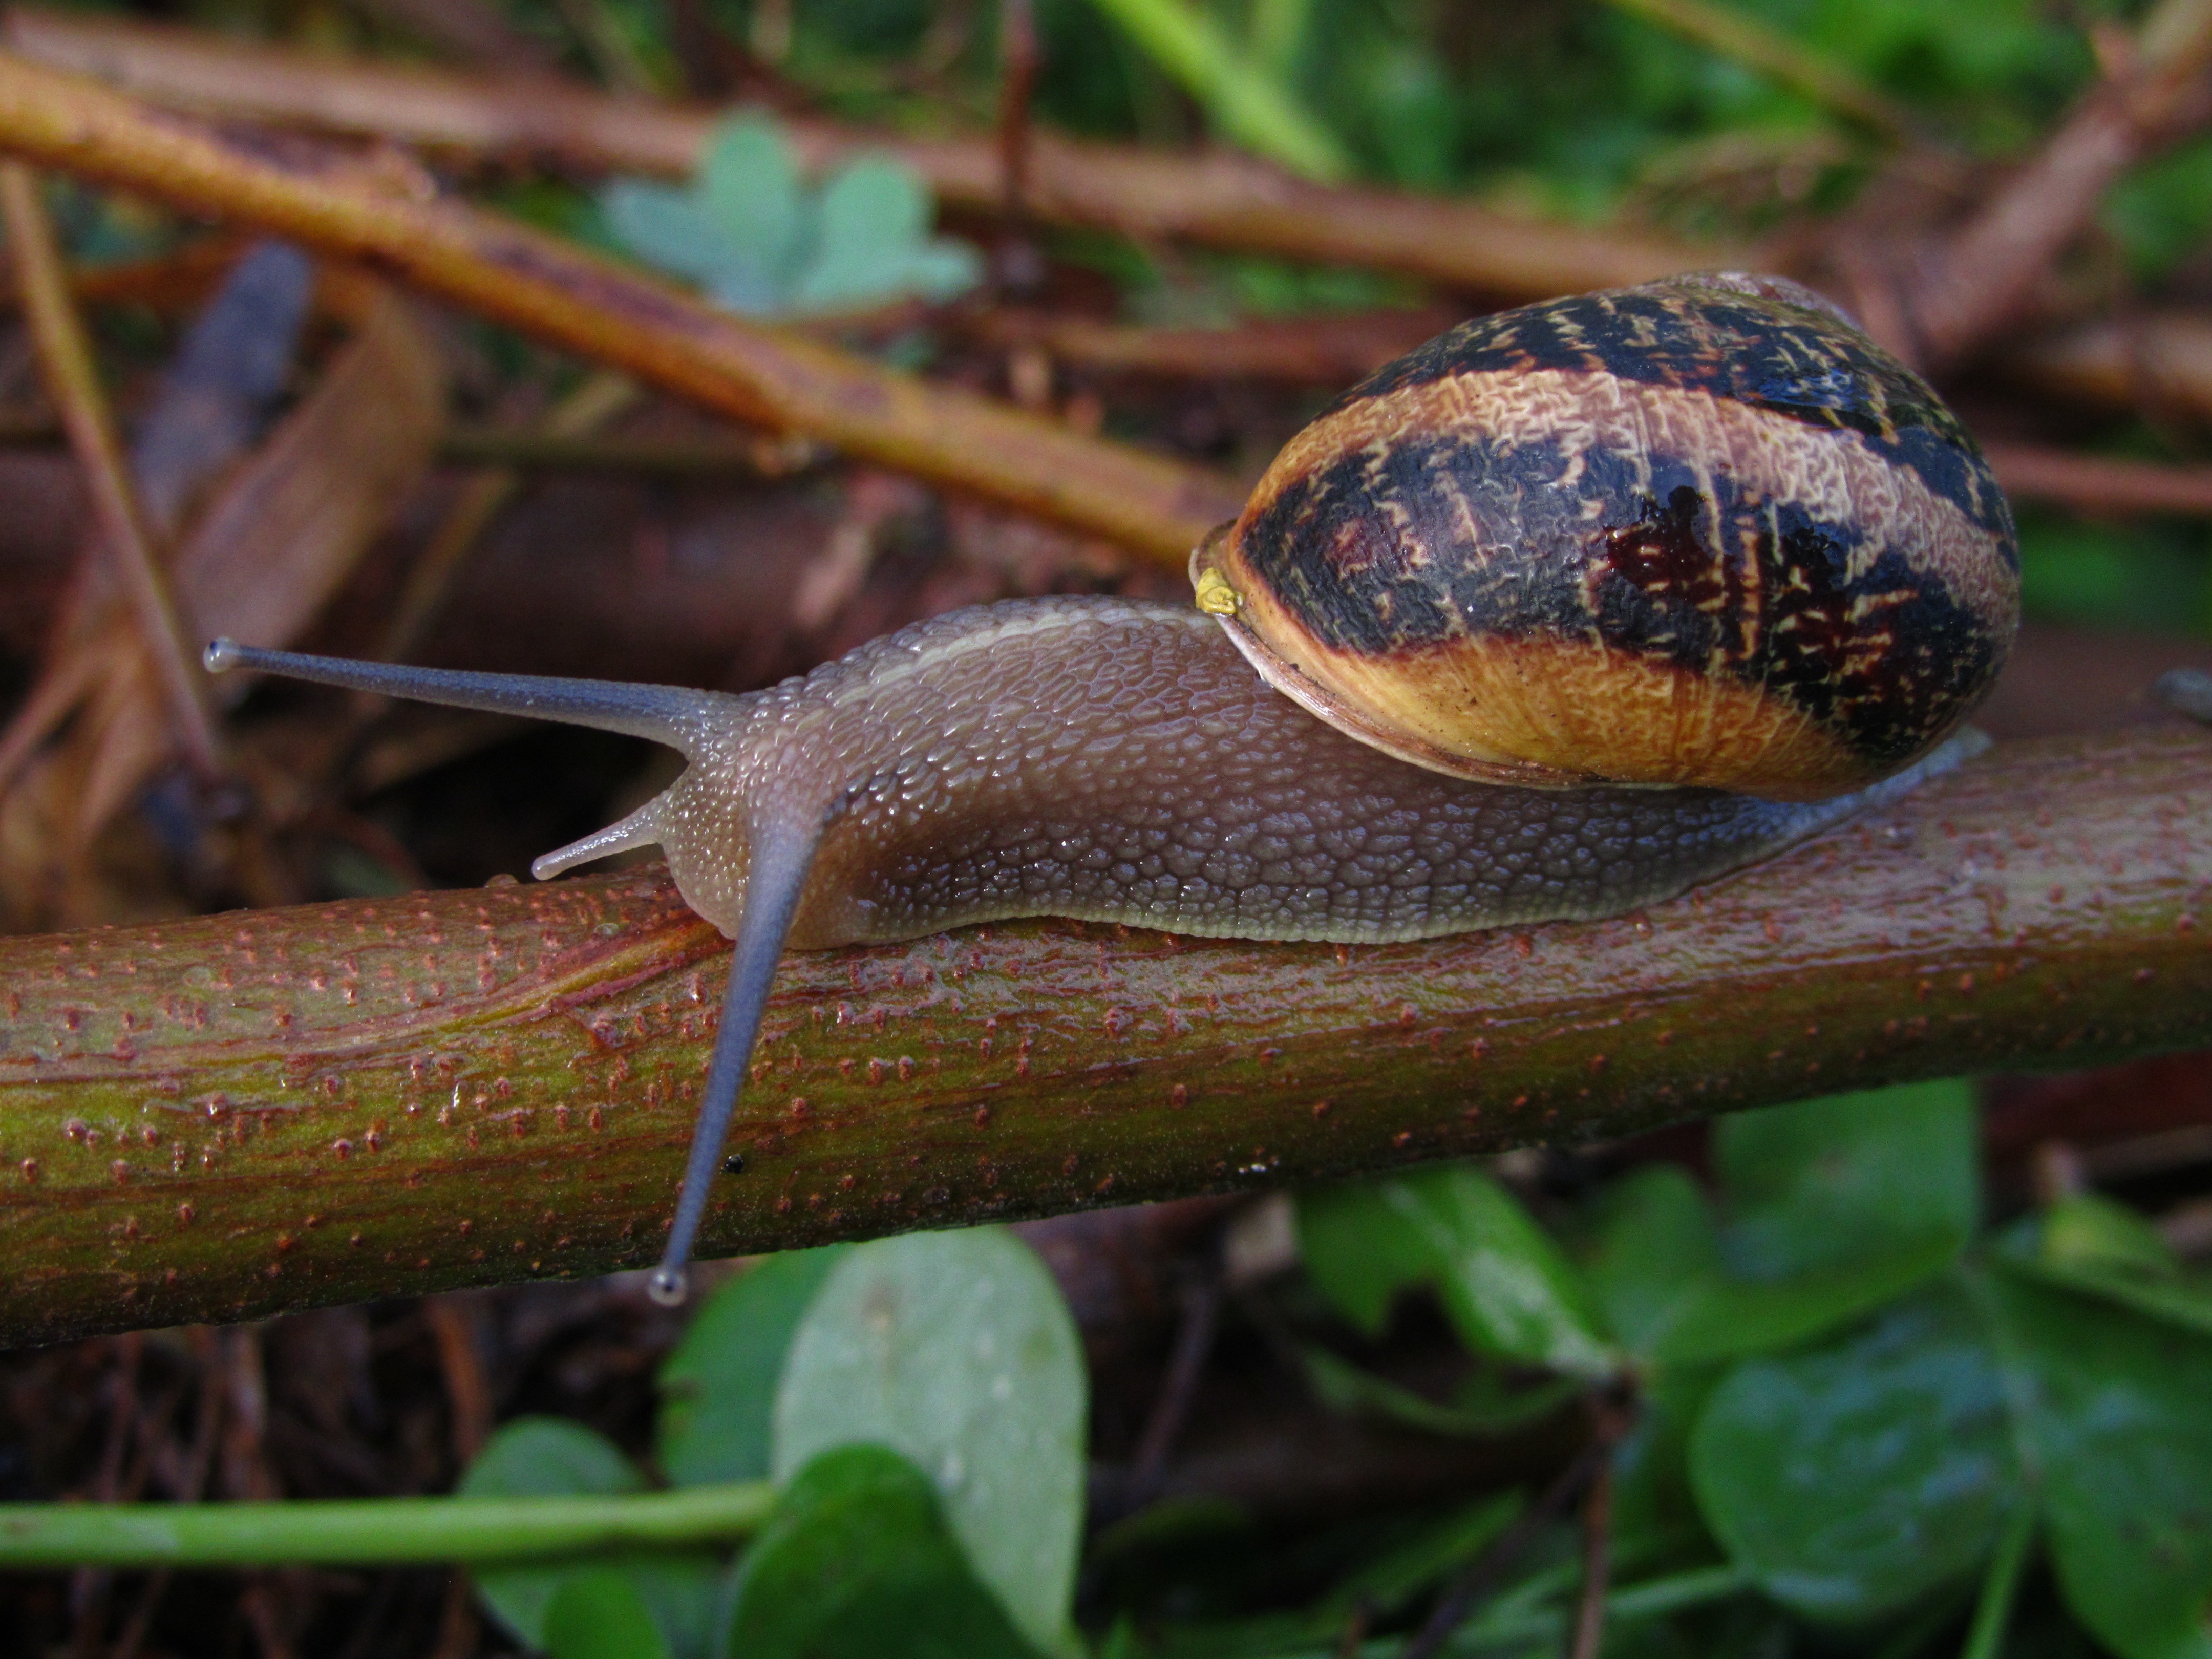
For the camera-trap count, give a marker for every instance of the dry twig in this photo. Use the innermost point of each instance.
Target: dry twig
(1219, 198)
(1980, 277)
(602, 310)
(72, 382)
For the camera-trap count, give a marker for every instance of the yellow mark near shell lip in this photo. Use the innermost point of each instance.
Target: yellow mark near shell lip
(1215, 596)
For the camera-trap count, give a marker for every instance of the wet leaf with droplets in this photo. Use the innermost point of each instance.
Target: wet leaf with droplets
(956, 1351)
(1508, 1288)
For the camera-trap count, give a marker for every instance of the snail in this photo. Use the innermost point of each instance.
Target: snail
(1595, 599)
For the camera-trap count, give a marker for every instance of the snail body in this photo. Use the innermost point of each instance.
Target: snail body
(1120, 761)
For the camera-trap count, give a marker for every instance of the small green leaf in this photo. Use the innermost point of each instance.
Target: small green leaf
(859, 1563)
(596, 1613)
(1855, 1479)
(718, 1384)
(1654, 1513)
(539, 1456)
(1684, 1290)
(749, 186)
(1437, 1550)
(1829, 1183)
(1485, 1409)
(535, 1456)
(955, 1349)
(2119, 1414)
(2089, 1244)
(1656, 1252)
(871, 241)
(1727, 1319)
(1509, 1290)
(749, 231)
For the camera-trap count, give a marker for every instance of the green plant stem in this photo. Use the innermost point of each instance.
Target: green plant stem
(373, 1531)
(1251, 106)
(2000, 1587)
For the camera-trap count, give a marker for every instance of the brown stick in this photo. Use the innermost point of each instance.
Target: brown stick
(618, 315)
(1321, 351)
(1216, 198)
(1980, 279)
(2100, 483)
(224, 1117)
(72, 382)
(2159, 362)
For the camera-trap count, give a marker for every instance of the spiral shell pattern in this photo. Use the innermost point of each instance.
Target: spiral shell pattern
(1701, 532)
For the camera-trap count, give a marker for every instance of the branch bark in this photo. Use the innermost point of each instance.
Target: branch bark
(614, 313)
(230, 1116)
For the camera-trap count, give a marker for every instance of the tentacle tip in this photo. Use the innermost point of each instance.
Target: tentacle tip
(221, 656)
(668, 1286)
(545, 866)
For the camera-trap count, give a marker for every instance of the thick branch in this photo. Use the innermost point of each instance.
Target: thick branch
(1220, 198)
(562, 294)
(221, 1118)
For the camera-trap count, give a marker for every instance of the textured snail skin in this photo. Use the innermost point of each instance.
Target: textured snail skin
(1083, 757)
(1119, 761)
(1702, 530)
(1105, 759)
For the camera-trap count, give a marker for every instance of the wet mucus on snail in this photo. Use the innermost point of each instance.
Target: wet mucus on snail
(1595, 599)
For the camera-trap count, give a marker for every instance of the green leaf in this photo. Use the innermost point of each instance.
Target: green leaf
(1508, 1288)
(1840, 1206)
(1727, 1319)
(596, 1613)
(1655, 1255)
(955, 1349)
(718, 1384)
(749, 231)
(1856, 1478)
(1437, 1550)
(1828, 1184)
(542, 1457)
(666, 227)
(1484, 1409)
(545, 1456)
(1654, 1513)
(871, 241)
(749, 186)
(539, 1456)
(2118, 1410)
(859, 1563)
(2089, 1244)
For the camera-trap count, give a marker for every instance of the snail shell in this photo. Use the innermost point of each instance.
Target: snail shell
(1702, 532)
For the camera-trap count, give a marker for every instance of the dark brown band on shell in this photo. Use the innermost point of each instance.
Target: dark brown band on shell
(1683, 533)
